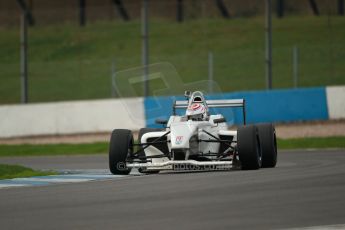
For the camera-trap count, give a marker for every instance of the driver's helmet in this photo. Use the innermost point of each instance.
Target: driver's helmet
(196, 111)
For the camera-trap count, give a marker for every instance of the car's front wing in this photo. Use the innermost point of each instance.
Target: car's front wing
(184, 165)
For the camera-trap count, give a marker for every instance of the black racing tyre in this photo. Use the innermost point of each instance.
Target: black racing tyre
(249, 149)
(268, 141)
(142, 131)
(161, 146)
(121, 145)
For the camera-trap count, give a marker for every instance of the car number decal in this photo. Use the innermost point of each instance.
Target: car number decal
(178, 140)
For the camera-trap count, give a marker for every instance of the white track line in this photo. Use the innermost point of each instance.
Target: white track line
(54, 179)
(324, 227)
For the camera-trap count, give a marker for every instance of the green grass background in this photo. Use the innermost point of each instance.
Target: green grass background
(67, 62)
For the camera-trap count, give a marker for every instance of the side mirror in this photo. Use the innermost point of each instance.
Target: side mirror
(219, 120)
(187, 94)
(161, 121)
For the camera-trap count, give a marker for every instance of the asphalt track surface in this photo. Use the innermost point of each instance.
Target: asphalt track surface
(307, 188)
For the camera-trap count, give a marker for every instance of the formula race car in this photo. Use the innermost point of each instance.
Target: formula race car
(196, 140)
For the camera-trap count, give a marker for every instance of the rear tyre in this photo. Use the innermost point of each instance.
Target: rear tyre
(121, 145)
(268, 141)
(142, 131)
(249, 149)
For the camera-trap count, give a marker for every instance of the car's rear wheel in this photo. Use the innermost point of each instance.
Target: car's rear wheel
(249, 149)
(142, 131)
(121, 146)
(268, 141)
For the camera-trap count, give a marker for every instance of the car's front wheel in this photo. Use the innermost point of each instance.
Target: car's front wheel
(121, 146)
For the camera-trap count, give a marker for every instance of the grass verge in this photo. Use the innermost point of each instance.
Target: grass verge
(102, 147)
(311, 143)
(16, 171)
(53, 149)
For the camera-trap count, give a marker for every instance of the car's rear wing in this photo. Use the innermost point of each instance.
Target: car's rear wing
(216, 104)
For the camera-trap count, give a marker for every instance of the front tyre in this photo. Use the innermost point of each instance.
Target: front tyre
(268, 143)
(121, 146)
(249, 149)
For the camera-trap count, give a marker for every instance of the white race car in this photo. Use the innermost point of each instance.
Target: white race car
(194, 141)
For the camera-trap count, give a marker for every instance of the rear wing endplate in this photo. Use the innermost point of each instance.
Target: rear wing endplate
(216, 104)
